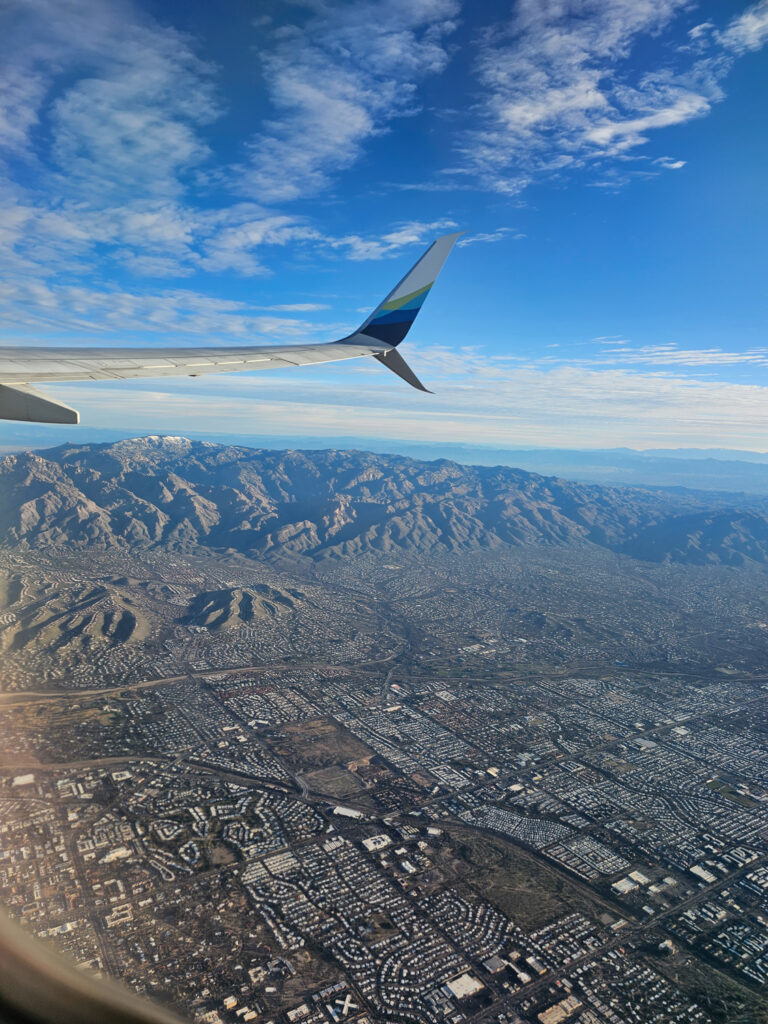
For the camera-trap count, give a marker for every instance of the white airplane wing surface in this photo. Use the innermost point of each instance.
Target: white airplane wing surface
(22, 367)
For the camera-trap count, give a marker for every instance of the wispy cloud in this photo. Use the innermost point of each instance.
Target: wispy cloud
(150, 238)
(357, 247)
(490, 236)
(101, 129)
(105, 117)
(233, 242)
(31, 297)
(559, 91)
(669, 163)
(123, 97)
(104, 114)
(478, 399)
(747, 31)
(337, 81)
(297, 307)
(673, 355)
(97, 313)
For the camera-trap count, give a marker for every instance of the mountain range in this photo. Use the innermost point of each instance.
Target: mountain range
(175, 494)
(711, 469)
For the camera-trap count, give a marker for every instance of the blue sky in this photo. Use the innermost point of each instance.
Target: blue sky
(198, 173)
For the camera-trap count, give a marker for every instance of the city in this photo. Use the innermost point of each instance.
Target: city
(361, 809)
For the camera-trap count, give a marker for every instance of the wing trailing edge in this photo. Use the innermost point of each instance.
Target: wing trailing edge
(22, 402)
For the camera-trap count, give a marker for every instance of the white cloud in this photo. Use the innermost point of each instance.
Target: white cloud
(133, 126)
(101, 128)
(748, 31)
(391, 243)
(215, 242)
(701, 30)
(105, 111)
(478, 399)
(21, 94)
(558, 90)
(103, 120)
(337, 82)
(672, 355)
(298, 307)
(672, 105)
(233, 245)
(171, 313)
(114, 98)
(669, 163)
(490, 236)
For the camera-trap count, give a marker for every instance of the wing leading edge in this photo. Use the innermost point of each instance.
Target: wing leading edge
(378, 336)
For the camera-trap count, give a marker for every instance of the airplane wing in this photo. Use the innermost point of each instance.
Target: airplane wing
(378, 336)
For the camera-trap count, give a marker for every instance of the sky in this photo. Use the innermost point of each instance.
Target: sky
(196, 173)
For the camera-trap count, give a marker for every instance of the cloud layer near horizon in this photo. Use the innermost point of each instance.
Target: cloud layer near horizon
(477, 400)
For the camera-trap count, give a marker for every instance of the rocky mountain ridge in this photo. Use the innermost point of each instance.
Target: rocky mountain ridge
(176, 494)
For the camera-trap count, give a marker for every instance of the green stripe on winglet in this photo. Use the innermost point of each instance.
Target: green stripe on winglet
(397, 303)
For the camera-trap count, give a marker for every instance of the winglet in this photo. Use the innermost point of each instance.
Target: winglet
(391, 321)
(395, 362)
